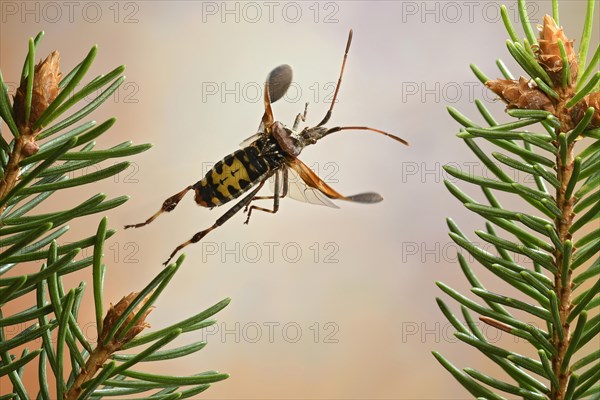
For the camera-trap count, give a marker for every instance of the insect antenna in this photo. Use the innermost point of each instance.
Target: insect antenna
(279, 81)
(337, 88)
(365, 128)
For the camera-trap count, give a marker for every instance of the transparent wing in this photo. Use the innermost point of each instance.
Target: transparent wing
(252, 138)
(299, 190)
(313, 181)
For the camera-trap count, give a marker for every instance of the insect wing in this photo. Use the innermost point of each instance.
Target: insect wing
(313, 181)
(248, 141)
(299, 190)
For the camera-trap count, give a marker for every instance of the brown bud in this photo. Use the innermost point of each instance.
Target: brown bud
(593, 100)
(45, 89)
(549, 55)
(30, 147)
(574, 115)
(115, 312)
(520, 94)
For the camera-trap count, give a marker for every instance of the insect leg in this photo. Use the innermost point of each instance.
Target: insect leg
(300, 117)
(264, 197)
(230, 213)
(168, 205)
(281, 196)
(285, 182)
(276, 196)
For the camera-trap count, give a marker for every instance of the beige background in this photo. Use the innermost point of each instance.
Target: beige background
(344, 306)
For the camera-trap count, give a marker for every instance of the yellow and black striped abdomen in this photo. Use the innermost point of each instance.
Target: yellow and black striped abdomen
(232, 176)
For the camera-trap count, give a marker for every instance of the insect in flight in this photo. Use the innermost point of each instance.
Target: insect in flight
(273, 151)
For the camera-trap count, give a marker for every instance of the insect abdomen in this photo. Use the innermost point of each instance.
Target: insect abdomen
(231, 177)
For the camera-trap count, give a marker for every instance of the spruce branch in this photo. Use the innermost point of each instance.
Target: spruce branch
(33, 165)
(555, 97)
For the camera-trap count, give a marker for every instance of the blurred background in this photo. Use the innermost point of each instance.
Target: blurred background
(327, 304)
